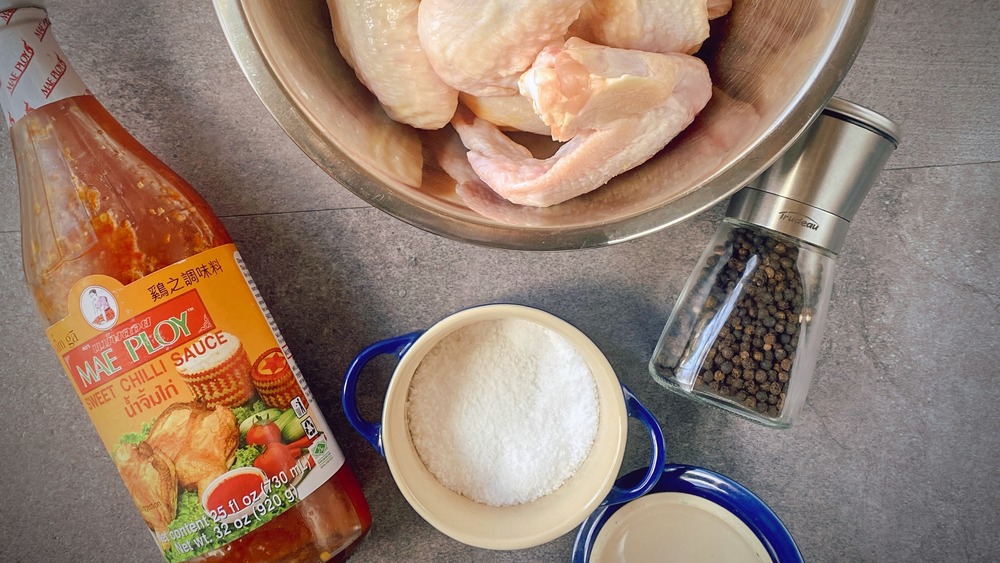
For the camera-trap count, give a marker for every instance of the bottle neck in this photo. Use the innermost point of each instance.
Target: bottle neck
(34, 71)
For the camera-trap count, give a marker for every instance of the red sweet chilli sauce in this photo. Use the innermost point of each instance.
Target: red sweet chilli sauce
(163, 334)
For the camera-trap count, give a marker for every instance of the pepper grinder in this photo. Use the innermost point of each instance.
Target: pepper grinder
(746, 330)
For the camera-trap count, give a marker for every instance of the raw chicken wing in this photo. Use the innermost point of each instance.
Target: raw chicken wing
(580, 86)
(719, 8)
(507, 112)
(583, 90)
(482, 46)
(379, 40)
(661, 26)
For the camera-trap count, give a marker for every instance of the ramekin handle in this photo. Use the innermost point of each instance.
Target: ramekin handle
(638, 411)
(371, 431)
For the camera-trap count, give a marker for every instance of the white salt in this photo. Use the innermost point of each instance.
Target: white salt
(503, 412)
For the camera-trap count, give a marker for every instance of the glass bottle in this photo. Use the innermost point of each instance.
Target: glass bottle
(746, 331)
(122, 257)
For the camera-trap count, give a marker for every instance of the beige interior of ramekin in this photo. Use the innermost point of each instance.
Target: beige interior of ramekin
(510, 527)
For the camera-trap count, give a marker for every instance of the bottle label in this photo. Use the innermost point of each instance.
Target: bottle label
(33, 69)
(197, 399)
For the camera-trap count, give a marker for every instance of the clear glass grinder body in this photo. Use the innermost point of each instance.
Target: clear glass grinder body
(120, 253)
(742, 333)
(746, 331)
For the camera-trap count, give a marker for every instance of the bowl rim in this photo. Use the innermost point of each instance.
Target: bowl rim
(807, 104)
(725, 492)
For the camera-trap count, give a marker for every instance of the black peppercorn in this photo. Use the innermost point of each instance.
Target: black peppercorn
(751, 358)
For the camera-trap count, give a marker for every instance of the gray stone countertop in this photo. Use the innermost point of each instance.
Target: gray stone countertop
(895, 457)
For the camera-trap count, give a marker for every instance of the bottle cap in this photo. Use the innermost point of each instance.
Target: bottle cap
(814, 189)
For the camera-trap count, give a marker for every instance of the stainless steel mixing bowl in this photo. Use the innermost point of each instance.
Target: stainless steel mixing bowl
(774, 66)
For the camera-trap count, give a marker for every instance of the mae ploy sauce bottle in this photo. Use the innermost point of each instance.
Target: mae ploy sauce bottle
(164, 337)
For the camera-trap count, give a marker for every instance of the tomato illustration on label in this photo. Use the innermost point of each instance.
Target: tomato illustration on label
(263, 433)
